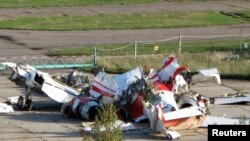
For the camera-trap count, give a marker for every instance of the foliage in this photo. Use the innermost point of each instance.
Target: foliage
(105, 125)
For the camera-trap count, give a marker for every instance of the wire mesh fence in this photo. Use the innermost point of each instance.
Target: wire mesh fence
(229, 53)
(181, 43)
(51, 62)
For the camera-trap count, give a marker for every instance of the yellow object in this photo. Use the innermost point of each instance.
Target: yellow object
(156, 48)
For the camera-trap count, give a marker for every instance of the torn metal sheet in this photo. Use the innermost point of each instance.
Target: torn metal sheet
(33, 77)
(9, 65)
(4, 108)
(170, 75)
(113, 86)
(210, 73)
(74, 79)
(170, 68)
(232, 99)
(172, 135)
(167, 113)
(124, 80)
(212, 120)
(13, 100)
(41, 82)
(124, 90)
(168, 71)
(104, 86)
(183, 113)
(171, 106)
(57, 91)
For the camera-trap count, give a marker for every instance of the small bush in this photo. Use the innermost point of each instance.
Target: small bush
(105, 125)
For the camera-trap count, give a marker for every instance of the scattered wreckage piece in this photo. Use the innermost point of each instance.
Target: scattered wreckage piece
(171, 106)
(212, 120)
(4, 108)
(36, 80)
(13, 100)
(58, 92)
(210, 74)
(33, 78)
(170, 75)
(232, 98)
(167, 113)
(170, 68)
(124, 90)
(85, 107)
(75, 80)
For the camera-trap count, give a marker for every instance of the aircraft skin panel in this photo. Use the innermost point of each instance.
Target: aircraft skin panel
(212, 120)
(183, 113)
(230, 100)
(56, 93)
(125, 79)
(9, 64)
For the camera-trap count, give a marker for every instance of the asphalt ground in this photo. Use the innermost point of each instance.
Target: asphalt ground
(33, 43)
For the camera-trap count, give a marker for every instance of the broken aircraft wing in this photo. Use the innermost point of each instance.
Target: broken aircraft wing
(57, 91)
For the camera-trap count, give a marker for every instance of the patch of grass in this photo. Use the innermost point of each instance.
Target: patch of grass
(167, 19)
(245, 15)
(196, 55)
(228, 69)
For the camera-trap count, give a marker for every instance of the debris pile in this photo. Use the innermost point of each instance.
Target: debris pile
(163, 97)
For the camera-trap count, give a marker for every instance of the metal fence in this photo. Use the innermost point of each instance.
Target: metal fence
(178, 42)
(53, 62)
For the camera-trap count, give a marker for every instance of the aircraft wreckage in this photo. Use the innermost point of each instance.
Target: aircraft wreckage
(162, 98)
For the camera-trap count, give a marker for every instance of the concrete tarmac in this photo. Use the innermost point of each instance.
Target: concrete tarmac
(45, 122)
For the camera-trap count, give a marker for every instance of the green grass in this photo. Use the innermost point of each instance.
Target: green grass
(167, 19)
(196, 55)
(240, 15)
(107, 119)
(239, 69)
(189, 47)
(47, 3)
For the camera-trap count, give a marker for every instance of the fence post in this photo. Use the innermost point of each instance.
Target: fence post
(240, 38)
(135, 49)
(180, 42)
(95, 56)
